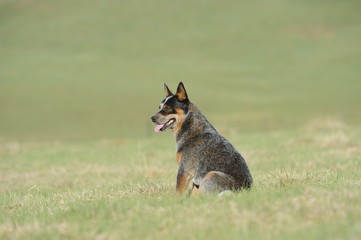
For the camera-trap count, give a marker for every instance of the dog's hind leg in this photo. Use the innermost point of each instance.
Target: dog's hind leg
(216, 182)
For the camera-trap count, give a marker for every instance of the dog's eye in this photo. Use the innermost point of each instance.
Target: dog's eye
(167, 109)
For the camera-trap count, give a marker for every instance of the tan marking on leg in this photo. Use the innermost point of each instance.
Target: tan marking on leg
(210, 175)
(216, 182)
(178, 157)
(182, 183)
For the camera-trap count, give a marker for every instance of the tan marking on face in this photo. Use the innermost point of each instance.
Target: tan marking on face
(180, 119)
(163, 118)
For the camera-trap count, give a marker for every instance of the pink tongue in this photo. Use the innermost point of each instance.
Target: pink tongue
(158, 127)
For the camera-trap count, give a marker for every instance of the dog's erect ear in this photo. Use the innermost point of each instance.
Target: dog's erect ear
(167, 91)
(181, 93)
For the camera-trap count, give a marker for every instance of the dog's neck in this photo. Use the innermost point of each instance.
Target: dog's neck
(194, 124)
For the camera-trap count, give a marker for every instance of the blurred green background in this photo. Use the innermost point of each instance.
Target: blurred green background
(79, 70)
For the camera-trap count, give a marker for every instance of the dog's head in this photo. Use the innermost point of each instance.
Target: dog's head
(172, 109)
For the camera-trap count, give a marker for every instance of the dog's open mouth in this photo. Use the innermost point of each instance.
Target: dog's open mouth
(164, 126)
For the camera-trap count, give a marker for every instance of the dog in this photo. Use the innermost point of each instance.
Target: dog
(208, 163)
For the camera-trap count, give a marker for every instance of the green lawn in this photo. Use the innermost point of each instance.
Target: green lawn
(79, 81)
(307, 186)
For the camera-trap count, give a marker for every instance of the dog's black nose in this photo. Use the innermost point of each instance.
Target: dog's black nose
(152, 118)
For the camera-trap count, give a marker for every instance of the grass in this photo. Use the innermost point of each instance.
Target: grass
(79, 81)
(307, 186)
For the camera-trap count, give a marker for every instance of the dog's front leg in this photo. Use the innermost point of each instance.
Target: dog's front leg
(183, 180)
